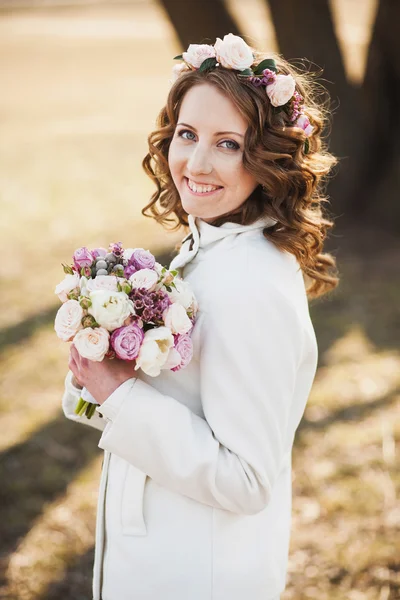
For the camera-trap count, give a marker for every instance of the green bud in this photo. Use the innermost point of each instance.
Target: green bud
(89, 321)
(73, 294)
(67, 269)
(85, 302)
(126, 287)
(86, 272)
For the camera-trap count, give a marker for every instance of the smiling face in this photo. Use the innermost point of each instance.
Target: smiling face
(206, 154)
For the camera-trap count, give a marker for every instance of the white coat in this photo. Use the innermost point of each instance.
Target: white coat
(195, 492)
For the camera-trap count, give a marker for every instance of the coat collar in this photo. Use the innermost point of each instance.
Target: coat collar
(203, 234)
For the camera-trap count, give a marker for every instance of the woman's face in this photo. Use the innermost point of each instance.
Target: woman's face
(206, 154)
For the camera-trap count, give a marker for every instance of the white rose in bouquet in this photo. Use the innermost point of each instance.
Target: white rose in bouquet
(68, 320)
(158, 268)
(110, 309)
(127, 253)
(104, 282)
(182, 293)
(92, 343)
(69, 283)
(154, 350)
(145, 278)
(176, 319)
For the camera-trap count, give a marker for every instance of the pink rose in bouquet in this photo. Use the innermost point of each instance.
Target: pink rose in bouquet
(82, 258)
(184, 346)
(126, 341)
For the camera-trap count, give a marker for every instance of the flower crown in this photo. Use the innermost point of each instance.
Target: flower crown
(233, 53)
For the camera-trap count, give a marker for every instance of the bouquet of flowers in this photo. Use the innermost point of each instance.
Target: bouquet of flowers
(123, 303)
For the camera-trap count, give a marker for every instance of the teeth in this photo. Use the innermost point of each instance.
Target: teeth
(201, 189)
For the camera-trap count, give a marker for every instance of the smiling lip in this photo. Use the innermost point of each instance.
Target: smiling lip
(201, 193)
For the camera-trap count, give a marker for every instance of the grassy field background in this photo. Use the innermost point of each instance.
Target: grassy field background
(81, 88)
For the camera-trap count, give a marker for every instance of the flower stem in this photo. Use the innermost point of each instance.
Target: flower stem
(78, 407)
(90, 410)
(83, 408)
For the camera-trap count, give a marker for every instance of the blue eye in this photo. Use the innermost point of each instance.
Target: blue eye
(186, 131)
(235, 145)
(182, 133)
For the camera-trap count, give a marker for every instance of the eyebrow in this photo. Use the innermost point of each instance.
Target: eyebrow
(217, 133)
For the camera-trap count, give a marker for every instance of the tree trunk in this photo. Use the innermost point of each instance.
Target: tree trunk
(199, 21)
(305, 30)
(376, 191)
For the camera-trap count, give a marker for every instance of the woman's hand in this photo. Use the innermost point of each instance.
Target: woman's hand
(101, 379)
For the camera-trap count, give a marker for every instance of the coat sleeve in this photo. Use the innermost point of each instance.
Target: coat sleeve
(249, 357)
(69, 400)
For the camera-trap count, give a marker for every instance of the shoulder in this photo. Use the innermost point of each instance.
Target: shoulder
(255, 269)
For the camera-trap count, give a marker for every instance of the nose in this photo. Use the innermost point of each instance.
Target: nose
(199, 162)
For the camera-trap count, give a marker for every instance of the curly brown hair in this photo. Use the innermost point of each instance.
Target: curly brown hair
(291, 180)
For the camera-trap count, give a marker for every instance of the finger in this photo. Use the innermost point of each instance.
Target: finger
(73, 367)
(75, 354)
(84, 362)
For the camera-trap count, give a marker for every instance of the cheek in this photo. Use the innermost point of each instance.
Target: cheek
(176, 159)
(237, 176)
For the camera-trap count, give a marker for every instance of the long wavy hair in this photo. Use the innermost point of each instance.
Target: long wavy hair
(290, 180)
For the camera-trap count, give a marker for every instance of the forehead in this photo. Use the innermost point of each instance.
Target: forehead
(206, 106)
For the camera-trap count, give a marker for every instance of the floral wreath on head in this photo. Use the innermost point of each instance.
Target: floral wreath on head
(233, 53)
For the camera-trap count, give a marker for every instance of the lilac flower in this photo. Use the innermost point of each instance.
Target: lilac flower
(150, 306)
(268, 76)
(256, 81)
(116, 248)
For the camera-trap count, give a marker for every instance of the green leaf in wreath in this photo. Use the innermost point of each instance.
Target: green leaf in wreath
(208, 64)
(179, 57)
(267, 63)
(306, 146)
(246, 73)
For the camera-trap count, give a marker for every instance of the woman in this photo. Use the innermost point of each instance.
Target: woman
(195, 493)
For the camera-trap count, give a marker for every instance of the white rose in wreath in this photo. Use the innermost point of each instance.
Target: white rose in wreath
(281, 90)
(198, 53)
(233, 52)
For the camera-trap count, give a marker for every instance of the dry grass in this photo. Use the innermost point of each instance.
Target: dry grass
(77, 103)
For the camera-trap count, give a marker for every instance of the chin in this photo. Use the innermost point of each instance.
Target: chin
(193, 208)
